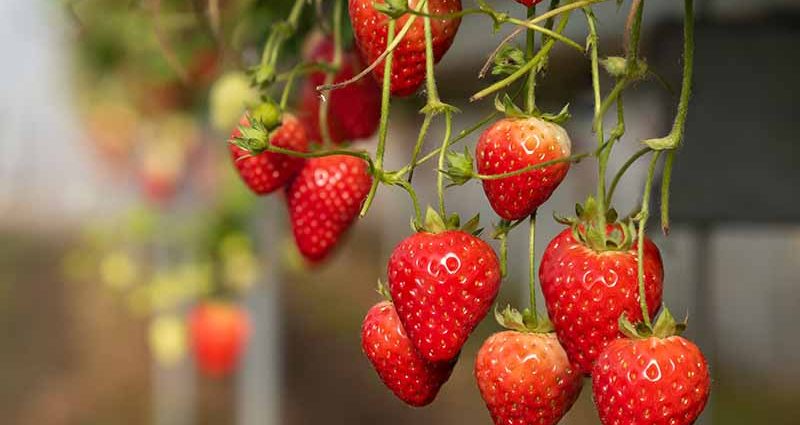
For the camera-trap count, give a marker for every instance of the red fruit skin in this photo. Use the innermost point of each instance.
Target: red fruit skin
(323, 200)
(587, 291)
(370, 28)
(354, 111)
(528, 3)
(219, 333)
(526, 378)
(511, 144)
(269, 171)
(442, 284)
(651, 381)
(410, 377)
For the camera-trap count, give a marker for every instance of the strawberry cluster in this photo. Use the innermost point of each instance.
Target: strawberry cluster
(601, 278)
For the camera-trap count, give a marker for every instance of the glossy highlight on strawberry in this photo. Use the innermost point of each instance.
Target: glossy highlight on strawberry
(408, 65)
(512, 144)
(526, 378)
(324, 200)
(442, 284)
(587, 291)
(269, 171)
(651, 381)
(385, 343)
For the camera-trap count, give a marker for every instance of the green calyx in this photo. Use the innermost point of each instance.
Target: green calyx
(664, 327)
(460, 167)
(587, 230)
(383, 291)
(619, 67)
(526, 321)
(264, 119)
(435, 223)
(506, 105)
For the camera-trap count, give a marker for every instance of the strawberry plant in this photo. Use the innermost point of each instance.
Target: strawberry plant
(602, 278)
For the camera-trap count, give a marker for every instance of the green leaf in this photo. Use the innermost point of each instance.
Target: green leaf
(558, 118)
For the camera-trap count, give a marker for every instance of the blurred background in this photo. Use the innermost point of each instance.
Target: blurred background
(119, 210)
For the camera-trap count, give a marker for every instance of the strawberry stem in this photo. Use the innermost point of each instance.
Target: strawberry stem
(530, 48)
(572, 158)
(621, 172)
(330, 75)
(384, 121)
(448, 125)
(531, 64)
(643, 215)
(532, 269)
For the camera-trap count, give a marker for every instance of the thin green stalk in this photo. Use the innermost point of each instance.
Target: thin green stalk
(430, 79)
(571, 158)
(540, 56)
(318, 154)
(384, 121)
(504, 255)
(607, 102)
(675, 137)
(530, 47)
(665, 186)
(547, 32)
(324, 105)
(621, 172)
(448, 125)
(414, 200)
(643, 215)
(603, 153)
(287, 89)
(423, 131)
(461, 136)
(391, 43)
(532, 268)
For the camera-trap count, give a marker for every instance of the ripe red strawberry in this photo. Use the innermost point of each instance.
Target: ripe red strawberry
(219, 333)
(515, 143)
(654, 381)
(354, 111)
(528, 3)
(587, 291)
(410, 377)
(268, 171)
(442, 284)
(408, 66)
(526, 378)
(324, 199)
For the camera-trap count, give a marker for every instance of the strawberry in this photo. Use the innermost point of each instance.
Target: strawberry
(658, 379)
(443, 283)
(265, 172)
(587, 290)
(410, 377)
(354, 110)
(408, 65)
(219, 333)
(515, 143)
(526, 378)
(528, 3)
(323, 201)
